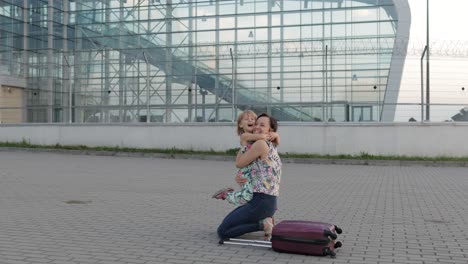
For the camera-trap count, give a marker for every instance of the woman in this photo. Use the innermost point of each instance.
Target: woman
(266, 174)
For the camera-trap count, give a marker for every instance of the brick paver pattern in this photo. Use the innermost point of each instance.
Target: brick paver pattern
(70, 209)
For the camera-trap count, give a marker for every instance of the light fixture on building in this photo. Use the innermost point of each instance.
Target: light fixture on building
(251, 34)
(306, 3)
(354, 78)
(241, 2)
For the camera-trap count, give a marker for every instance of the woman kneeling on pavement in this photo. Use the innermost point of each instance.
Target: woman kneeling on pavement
(256, 215)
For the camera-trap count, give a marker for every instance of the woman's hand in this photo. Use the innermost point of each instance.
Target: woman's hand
(240, 180)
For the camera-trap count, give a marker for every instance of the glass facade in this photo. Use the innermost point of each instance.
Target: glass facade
(198, 61)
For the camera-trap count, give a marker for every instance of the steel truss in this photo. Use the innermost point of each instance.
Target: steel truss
(109, 61)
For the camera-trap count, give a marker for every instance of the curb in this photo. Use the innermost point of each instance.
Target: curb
(421, 163)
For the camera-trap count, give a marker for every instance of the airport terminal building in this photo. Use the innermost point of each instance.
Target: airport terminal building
(174, 61)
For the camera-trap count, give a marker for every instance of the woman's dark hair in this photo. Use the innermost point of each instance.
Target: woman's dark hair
(273, 121)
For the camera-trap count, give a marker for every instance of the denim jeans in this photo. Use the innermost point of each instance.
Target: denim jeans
(246, 218)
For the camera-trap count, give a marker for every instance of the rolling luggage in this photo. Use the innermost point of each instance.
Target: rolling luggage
(306, 237)
(299, 237)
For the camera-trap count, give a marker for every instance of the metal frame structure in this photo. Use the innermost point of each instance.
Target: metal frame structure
(203, 61)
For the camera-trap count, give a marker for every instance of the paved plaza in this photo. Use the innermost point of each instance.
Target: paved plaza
(70, 209)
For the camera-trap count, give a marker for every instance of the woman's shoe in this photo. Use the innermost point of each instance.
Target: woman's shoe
(268, 224)
(221, 194)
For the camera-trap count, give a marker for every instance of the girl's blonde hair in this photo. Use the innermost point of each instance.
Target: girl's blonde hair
(240, 131)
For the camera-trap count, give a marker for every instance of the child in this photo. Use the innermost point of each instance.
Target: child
(245, 128)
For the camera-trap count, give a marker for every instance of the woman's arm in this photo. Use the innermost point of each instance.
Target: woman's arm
(258, 149)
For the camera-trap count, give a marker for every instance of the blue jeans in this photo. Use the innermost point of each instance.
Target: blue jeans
(246, 218)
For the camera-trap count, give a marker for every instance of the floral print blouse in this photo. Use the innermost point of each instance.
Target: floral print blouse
(266, 174)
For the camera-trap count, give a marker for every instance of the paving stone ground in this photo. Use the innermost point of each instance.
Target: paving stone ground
(70, 209)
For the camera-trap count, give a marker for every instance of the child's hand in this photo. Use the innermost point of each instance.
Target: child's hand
(240, 180)
(271, 136)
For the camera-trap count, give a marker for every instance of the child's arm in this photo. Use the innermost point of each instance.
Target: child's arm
(274, 138)
(246, 137)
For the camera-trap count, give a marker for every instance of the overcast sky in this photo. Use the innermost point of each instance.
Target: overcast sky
(448, 19)
(448, 74)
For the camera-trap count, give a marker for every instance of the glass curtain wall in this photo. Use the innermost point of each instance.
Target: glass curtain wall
(198, 61)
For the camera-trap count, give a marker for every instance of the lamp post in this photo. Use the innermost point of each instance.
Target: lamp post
(147, 88)
(378, 103)
(428, 116)
(203, 94)
(422, 83)
(233, 95)
(70, 96)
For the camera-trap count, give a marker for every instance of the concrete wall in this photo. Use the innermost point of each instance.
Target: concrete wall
(411, 139)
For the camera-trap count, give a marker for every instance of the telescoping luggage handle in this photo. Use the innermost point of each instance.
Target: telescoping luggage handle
(267, 244)
(247, 242)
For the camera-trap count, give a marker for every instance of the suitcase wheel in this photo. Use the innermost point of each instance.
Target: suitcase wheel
(338, 244)
(327, 251)
(338, 230)
(330, 234)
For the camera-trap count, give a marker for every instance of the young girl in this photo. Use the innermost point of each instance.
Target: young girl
(245, 128)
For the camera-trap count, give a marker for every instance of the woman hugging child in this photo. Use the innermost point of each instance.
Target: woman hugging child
(245, 130)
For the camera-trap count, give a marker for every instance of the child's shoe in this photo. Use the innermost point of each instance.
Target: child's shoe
(221, 194)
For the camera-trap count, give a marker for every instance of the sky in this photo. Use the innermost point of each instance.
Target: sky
(449, 74)
(447, 19)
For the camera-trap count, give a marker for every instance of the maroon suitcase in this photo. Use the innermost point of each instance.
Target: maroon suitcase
(305, 237)
(299, 237)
